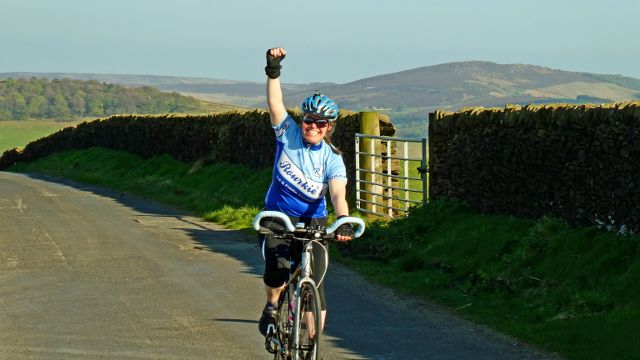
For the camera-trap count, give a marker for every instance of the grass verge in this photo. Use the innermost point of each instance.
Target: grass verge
(223, 193)
(574, 291)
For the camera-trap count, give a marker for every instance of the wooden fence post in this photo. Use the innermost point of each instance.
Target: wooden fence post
(369, 125)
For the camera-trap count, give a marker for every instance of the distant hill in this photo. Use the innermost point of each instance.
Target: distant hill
(408, 96)
(475, 83)
(239, 93)
(66, 99)
(444, 86)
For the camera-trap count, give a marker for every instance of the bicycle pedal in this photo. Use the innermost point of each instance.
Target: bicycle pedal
(271, 344)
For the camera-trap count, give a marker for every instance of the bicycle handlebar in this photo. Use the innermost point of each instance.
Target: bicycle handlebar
(345, 220)
(287, 222)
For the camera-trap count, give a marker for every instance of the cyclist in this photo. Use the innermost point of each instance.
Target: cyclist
(306, 165)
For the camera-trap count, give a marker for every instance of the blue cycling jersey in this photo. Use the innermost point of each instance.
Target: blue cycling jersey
(301, 173)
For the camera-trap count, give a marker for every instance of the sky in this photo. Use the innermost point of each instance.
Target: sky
(326, 41)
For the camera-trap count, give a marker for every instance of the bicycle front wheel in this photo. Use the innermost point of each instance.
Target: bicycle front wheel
(284, 333)
(308, 324)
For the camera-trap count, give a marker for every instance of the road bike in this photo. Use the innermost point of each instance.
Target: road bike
(296, 334)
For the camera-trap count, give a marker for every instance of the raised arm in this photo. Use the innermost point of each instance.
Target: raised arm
(275, 100)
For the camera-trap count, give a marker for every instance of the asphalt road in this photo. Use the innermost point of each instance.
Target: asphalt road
(89, 273)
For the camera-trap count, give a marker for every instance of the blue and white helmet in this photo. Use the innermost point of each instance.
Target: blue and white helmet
(321, 105)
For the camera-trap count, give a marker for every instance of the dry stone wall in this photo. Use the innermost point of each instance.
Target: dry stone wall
(577, 162)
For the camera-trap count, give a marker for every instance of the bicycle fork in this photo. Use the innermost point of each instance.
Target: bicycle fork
(305, 276)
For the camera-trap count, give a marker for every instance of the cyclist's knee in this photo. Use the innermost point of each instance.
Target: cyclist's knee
(275, 278)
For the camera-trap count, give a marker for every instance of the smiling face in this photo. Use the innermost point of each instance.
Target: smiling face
(314, 128)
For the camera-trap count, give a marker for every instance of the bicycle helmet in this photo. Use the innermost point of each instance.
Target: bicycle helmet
(320, 105)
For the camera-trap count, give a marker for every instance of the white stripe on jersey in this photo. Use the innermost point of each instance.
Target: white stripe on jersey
(293, 176)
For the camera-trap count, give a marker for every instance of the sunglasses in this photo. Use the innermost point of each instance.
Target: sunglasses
(319, 122)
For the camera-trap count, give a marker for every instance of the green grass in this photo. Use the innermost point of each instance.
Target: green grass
(216, 107)
(226, 194)
(574, 291)
(414, 152)
(19, 133)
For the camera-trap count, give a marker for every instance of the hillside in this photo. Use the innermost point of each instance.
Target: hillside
(474, 83)
(66, 99)
(238, 93)
(408, 96)
(448, 86)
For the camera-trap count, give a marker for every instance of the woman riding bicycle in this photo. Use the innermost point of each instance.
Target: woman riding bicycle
(306, 166)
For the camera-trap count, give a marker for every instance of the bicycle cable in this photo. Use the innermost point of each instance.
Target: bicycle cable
(326, 260)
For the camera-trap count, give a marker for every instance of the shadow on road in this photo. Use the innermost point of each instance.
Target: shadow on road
(209, 239)
(242, 321)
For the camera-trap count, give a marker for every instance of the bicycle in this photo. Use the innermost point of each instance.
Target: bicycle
(296, 335)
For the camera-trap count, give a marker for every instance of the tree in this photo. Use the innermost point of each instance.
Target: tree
(37, 107)
(66, 99)
(5, 112)
(60, 108)
(96, 106)
(19, 106)
(79, 103)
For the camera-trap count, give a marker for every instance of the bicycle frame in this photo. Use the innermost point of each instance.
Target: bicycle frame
(304, 277)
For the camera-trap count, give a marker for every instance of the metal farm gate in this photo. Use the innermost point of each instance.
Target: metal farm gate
(390, 177)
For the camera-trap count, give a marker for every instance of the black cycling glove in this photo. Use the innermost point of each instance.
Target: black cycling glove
(345, 229)
(273, 65)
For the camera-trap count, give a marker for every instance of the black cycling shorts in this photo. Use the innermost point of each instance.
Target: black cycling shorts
(282, 256)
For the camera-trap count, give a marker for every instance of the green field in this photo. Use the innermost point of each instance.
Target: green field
(19, 133)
